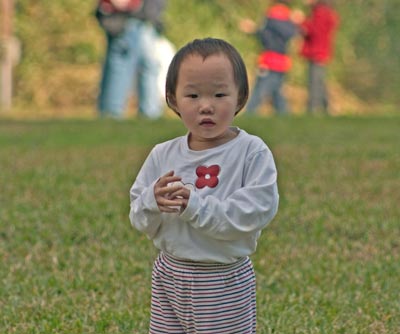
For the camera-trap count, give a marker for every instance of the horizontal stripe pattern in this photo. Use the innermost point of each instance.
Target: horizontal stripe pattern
(192, 297)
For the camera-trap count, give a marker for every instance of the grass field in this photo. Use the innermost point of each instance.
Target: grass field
(71, 263)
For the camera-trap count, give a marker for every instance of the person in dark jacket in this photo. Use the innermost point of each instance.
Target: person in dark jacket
(279, 26)
(318, 30)
(132, 30)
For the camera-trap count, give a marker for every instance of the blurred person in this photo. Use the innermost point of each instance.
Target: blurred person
(277, 29)
(318, 30)
(165, 51)
(203, 210)
(132, 29)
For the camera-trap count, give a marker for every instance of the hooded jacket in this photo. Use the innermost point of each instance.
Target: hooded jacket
(275, 35)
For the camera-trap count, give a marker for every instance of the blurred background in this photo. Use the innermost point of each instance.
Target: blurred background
(59, 49)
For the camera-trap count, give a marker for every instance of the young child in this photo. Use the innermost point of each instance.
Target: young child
(275, 33)
(319, 29)
(203, 198)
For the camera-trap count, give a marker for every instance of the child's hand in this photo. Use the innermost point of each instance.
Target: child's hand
(248, 26)
(170, 198)
(183, 193)
(297, 16)
(120, 4)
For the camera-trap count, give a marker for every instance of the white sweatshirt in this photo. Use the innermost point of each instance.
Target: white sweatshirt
(234, 195)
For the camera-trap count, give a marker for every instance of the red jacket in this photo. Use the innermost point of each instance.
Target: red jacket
(319, 33)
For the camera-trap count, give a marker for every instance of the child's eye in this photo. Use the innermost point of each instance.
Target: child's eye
(220, 95)
(192, 96)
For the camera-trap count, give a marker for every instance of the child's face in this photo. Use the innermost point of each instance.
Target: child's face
(207, 99)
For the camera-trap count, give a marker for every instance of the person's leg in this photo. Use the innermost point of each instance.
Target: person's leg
(229, 303)
(324, 90)
(262, 89)
(278, 100)
(317, 98)
(163, 318)
(312, 88)
(211, 298)
(150, 102)
(118, 72)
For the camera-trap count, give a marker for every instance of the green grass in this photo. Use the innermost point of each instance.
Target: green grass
(71, 263)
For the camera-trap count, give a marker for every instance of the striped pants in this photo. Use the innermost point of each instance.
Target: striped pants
(194, 297)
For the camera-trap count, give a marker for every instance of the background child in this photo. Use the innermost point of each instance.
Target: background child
(277, 29)
(318, 30)
(203, 198)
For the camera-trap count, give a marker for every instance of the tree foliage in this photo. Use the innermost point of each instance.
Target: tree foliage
(63, 46)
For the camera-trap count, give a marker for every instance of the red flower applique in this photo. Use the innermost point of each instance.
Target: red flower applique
(207, 176)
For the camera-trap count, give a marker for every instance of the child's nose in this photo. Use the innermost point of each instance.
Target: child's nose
(206, 105)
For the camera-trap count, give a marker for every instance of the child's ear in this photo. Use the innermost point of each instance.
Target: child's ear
(171, 101)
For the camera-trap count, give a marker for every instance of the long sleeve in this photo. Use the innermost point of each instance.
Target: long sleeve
(246, 211)
(284, 29)
(144, 213)
(233, 197)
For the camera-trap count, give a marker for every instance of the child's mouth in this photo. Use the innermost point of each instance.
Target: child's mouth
(207, 122)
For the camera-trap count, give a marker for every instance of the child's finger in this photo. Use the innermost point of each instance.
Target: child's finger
(164, 191)
(165, 202)
(165, 180)
(182, 192)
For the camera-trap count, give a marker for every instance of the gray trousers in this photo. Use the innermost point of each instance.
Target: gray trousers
(317, 93)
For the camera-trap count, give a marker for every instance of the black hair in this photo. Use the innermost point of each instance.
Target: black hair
(205, 48)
